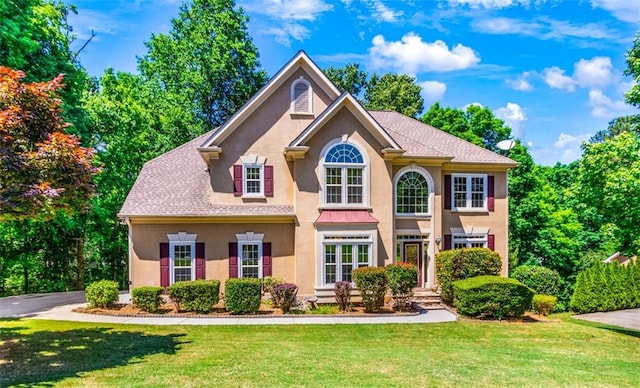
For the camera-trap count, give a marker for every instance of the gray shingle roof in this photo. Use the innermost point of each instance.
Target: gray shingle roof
(420, 139)
(177, 184)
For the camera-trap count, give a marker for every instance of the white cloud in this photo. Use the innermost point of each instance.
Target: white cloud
(522, 83)
(569, 145)
(555, 78)
(502, 25)
(514, 117)
(432, 91)
(411, 55)
(595, 72)
(384, 13)
(489, 4)
(287, 32)
(308, 10)
(88, 20)
(604, 107)
(625, 10)
(625, 86)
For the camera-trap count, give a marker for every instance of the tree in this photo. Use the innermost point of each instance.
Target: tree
(348, 79)
(398, 92)
(617, 126)
(633, 69)
(207, 60)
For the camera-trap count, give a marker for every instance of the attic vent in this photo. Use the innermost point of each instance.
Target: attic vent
(301, 97)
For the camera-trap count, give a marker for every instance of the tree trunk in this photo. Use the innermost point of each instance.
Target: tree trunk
(25, 273)
(81, 263)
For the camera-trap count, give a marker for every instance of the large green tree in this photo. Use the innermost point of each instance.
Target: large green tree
(398, 92)
(207, 60)
(348, 78)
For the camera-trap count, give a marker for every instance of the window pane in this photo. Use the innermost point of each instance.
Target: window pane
(412, 193)
(354, 185)
(460, 191)
(330, 264)
(333, 178)
(363, 255)
(182, 274)
(477, 192)
(344, 153)
(250, 261)
(181, 263)
(253, 180)
(347, 262)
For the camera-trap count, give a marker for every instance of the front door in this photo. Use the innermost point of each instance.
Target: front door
(413, 255)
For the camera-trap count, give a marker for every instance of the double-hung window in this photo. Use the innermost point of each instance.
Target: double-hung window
(250, 259)
(469, 192)
(344, 176)
(253, 177)
(182, 261)
(343, 254)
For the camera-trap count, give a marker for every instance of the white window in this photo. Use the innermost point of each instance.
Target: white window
(469, 192)
(344, 176)
(459, 241)
(301, 96)
(250, 255)
(253, 176)
(342, 254)
(412, 192)
(182, 252)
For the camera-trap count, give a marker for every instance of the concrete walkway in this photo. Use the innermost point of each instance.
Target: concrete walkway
(629, 319)
(65, 313)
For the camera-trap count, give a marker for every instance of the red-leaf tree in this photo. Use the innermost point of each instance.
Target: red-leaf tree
(43, 170)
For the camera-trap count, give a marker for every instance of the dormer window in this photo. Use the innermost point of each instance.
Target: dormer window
(301, 97)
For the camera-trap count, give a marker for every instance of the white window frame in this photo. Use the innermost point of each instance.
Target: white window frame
(476, 240)
(245, 239)
(177, 240)
(309, 96)
(339, 240)
(253, 161)
(425, 174)
(468, 193)
(344, 167)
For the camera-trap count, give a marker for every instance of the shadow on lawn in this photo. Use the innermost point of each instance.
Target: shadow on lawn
(32, 358)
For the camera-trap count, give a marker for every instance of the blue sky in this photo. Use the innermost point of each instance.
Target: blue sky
(552, 69)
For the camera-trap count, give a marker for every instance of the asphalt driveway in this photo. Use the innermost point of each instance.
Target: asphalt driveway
(629, 319)
(31, 304)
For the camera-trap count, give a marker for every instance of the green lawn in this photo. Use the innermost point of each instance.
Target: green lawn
(566, 353)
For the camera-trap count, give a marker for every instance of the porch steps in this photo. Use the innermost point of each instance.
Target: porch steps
(426, 299)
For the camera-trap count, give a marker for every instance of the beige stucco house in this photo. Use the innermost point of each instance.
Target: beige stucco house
(305, 184)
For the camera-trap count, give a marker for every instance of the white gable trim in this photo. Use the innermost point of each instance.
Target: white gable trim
(299, 60)
(348, 101)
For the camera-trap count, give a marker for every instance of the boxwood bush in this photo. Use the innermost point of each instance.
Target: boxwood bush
(402, 277)
(147, 298)
(102, 294)
(242, 295)
(285, 296)
(372, 284)
(541, 279)
(491, 297)
(543, 304)
(458, 264)
(196, 295)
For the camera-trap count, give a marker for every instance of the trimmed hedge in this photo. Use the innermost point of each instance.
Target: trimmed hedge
(458, 264)
(607, 287)
(242, 295)
(342, 290)
(402, 277)
(196, 295)
(102, 294)
(285, 296)
(542, 280)
(543, 304)
(147, 298)
(372, 284)
(491, 297)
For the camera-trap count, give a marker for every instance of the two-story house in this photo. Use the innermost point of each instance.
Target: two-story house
(305, 184)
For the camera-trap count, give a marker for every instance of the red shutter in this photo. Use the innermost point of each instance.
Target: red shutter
(447, 242)
(447, 191)
(237, 180)
(164, 265)
(233, 260)
(491, 193)
(491, 242)
(266, 259)
(200, 261)
(268, 181)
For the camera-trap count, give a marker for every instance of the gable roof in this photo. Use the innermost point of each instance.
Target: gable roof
(348, 101)
(422, 140)
(176, 184)
(301, 59)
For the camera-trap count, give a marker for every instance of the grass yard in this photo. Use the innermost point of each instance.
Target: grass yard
(565, 353)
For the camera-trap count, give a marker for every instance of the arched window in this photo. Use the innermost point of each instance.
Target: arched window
(344, 177)
(301, 97)
(412, 193)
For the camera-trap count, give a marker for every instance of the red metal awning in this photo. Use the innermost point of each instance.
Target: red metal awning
(346, 217)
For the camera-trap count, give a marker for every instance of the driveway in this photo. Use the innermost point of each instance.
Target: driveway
(629, 319)
(28, 305)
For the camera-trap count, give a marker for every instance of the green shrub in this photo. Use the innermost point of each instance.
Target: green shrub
(606, 287)
(402, 277)
(285, 296)
(102, 294)
(542, 280)
(342, 290)
(147, 298)
(196, 295)
(491, 297)
(458, 264)
(242, 295)
(372, 284)
(543, 304)
(268, 282)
